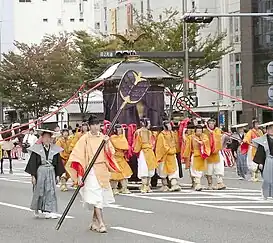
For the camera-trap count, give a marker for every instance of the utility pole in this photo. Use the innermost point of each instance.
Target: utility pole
(186, 50)
(149, 12)
(1, 98)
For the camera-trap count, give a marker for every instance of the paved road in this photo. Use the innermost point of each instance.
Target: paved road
(234, 215)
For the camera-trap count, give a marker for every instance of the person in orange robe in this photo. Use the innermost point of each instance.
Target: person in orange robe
(197, 150)
(64, 142)
(215, 161)
(253, 133)
(178, 146)
(143, 147)
(79, 133)
(121, 146)
(96, 191)
(185, 133)
(166, 157)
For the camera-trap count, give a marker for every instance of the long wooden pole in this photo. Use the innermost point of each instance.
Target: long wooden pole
(70, 203)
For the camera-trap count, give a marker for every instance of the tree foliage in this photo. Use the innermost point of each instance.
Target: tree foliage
(167, 35)
(38, 76)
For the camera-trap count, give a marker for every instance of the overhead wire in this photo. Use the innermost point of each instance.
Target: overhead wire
(74, 97)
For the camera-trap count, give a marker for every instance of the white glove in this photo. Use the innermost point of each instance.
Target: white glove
(261, 166)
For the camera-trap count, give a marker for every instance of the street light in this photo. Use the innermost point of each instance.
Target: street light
(1, 98)
(224, 15)
(206, 18)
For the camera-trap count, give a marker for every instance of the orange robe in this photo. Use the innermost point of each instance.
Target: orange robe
(178, 147)
(197, 149)
(144, 142)
(215, 140)
(121, 146)
(65, 145)
(74, 140)
(82, 155)
(166, 151)
(250, 135)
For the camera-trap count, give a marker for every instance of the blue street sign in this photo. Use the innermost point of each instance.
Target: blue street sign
(222, 119)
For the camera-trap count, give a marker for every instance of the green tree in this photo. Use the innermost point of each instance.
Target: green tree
(39, 76)
(166, 35)
(88, 48)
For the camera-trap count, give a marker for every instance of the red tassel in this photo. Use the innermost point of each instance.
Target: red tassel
(131, 132)
(110, 159)
(77, 167)
(182, 127)
(106, 125)
(244, 148)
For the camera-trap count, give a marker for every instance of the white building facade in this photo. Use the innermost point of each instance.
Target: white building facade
(116, 16)
(28, 21)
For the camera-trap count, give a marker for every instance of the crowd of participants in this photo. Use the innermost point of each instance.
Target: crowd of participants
(200, 147)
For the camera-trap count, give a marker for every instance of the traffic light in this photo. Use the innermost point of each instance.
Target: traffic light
(198, 20)
(122, 54)
(117, 54)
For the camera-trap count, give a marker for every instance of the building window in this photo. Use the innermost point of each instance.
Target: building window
(72, 20)
(97, 26)
(81, 20)
(24, 1)
(234, 30)
(235, 74)
(96, 6)
(45, 20)
(59, 22)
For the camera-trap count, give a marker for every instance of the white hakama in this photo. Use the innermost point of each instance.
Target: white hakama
(252, 167)
(93, 195)
(142, 170)
(193, 172)
(217, 169)
(160, 171)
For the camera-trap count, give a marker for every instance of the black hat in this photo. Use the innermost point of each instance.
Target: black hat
(93, 120)
(199, 126)
(212, 119)
(190, 126)
(65, 130)
(116, 127)
(156, 128)
(45, 131)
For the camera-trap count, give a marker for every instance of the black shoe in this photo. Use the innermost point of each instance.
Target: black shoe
(10, 171)
(2, 172)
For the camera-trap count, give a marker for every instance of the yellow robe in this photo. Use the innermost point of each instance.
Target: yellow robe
(251, 134)
(74, 140)
(178, 147)
(217, 135)
(65, 145)
(143, 142)
(83, 153)
(193, 151)
(166, 151)
(121, 145)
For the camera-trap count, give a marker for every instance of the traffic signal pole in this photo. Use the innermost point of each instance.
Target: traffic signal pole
(223, 15)
(186, 51)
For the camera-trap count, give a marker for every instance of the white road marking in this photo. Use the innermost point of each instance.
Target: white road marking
(208, 204)
(25, 208)
(130, 209)
(13, 180)
(192, 197)
(221, 202)
(244, 189)
(246, 207)
(151, 235)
